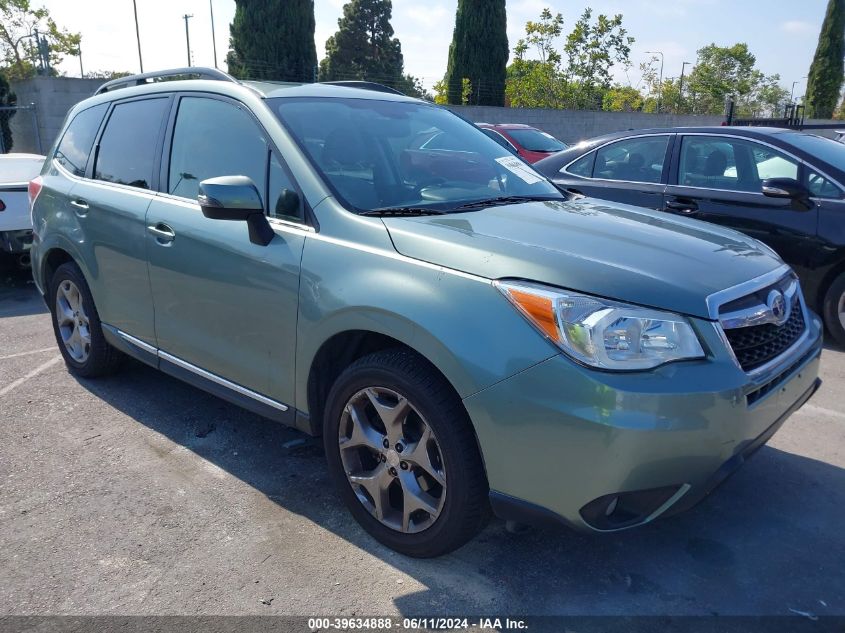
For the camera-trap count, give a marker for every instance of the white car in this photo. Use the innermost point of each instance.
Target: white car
(16, 170)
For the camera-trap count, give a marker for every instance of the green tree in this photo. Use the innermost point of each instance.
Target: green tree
(545, 80)
(537, 82)
(273, 39)
(826, 73)
(623, 99)
(592, 49)
(363, 46)
(7, 98)
(729, 72)
(479, 52)
(18, 49)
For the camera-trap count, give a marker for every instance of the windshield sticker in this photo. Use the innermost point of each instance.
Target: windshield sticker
(519, 169)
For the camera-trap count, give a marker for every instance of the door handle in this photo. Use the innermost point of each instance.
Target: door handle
(164, 234)
(684, 207)
(80, 206)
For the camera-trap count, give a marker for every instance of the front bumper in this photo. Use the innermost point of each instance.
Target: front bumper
(562, 442)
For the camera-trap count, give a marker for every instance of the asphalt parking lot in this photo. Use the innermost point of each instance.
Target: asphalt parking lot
(139, 494)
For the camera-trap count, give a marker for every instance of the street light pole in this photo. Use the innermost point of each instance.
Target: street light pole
(138, 35)
(213, 39)
(187, 17)
(681, 86)
(660, 90)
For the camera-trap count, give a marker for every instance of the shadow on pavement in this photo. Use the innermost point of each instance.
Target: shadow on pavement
(18, 294)
(768, 541)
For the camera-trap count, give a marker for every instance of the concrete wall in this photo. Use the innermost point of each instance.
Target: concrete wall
(571, 126)
(53, 97)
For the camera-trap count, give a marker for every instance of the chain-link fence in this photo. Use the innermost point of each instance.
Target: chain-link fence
(19, 130)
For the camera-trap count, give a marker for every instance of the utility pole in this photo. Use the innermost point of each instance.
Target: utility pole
(187, 17)
(138, 35)
(660, 91)
(213, 40)
(79, 51)
(681, 86)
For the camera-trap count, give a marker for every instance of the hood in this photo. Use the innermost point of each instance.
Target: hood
(592, 246)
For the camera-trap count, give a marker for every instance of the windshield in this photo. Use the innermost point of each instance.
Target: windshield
(536, 141)
(389, 154)
(825, 149)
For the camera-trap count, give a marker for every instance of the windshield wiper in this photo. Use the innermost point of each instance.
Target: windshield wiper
(402, 211)
(504, 200)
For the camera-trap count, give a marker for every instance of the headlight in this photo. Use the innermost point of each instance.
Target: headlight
(602, 333)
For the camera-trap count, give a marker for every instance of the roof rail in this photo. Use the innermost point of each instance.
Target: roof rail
(365, 85)
(140, 80)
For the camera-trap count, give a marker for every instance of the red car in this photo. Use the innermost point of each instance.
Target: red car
(526, 141)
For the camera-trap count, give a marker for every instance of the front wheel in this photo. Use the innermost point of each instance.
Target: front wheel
(403, 454)
(834, 309)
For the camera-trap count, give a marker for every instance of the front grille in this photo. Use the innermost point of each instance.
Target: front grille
(756, 345)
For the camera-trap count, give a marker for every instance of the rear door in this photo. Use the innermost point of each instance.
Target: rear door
(719, 179)
(224, 306)
(631, 171)
(111, 205)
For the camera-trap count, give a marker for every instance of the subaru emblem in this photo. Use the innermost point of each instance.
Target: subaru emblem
(777, 306)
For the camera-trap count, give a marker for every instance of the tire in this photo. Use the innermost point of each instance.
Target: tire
(72, 310)
(834, 309)
(449, 453)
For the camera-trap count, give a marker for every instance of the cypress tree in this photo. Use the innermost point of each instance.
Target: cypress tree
(363, 46)
(826, 73)
(273, 39)
(479, 52)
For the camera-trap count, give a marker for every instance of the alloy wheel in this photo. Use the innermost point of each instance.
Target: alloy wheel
(73, 323)
(392, 459)
(841, 310)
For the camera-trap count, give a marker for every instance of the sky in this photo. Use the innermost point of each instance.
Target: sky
(781, 33)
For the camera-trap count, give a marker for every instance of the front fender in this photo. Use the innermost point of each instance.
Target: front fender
(460, 323)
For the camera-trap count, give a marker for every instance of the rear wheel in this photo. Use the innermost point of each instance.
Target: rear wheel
(76, 325)
(403, 454)
(834, 309)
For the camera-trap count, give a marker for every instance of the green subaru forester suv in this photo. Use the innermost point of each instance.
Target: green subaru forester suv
(373, 269)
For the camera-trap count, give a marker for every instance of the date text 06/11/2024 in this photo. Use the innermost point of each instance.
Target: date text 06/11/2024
(417, 624)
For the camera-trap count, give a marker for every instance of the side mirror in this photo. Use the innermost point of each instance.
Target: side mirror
(235, 198)
(785, 188)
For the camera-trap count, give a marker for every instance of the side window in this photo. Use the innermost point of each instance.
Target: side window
(731, 164)
(821, 187)
(214, 138)
(127, 152)
(635, 160)
(772, 164)
(72, 152)
(284, 202)
(708, 161)
(583, 166)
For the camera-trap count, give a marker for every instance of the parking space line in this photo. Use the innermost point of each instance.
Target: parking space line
(823, 411)
(29, 353)
(17, 383)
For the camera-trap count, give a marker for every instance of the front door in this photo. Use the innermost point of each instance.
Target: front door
(224, 306)
(719, 179)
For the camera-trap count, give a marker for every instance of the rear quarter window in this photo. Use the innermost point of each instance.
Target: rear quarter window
(78, 139)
